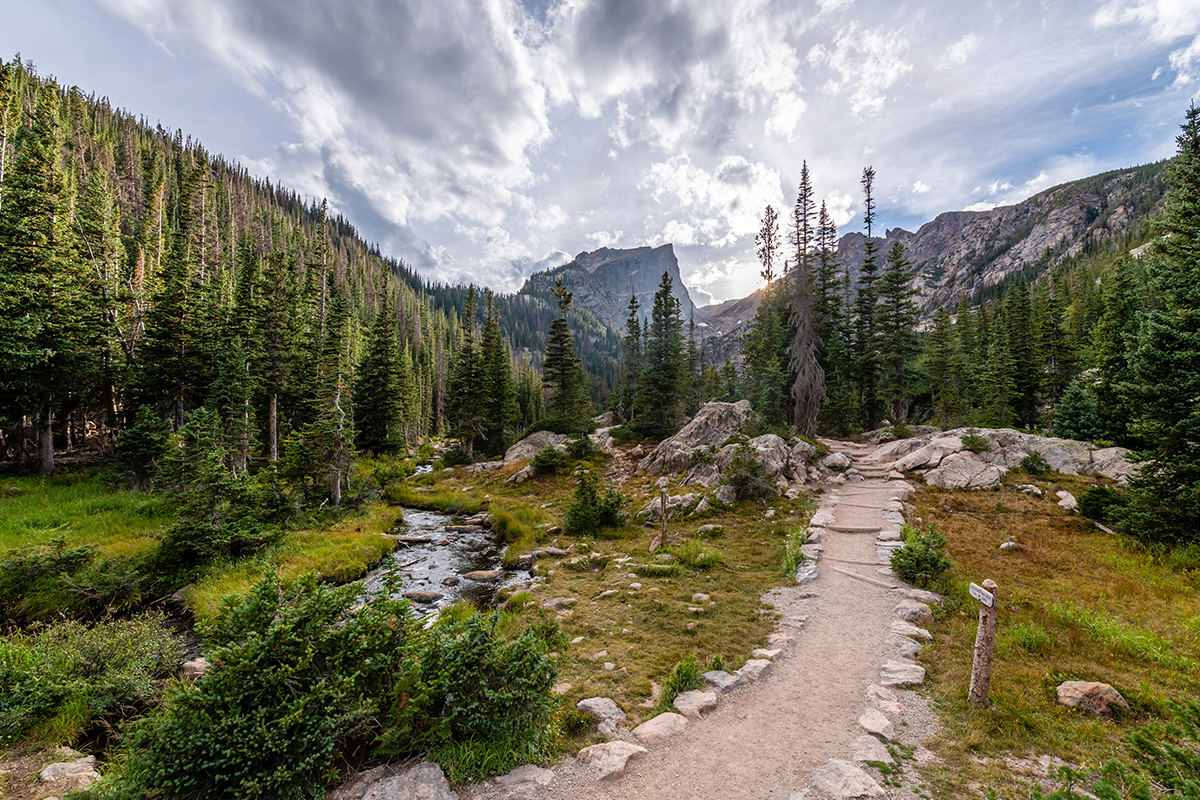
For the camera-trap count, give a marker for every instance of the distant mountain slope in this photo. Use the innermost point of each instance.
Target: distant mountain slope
(604, 280)
(969, 252)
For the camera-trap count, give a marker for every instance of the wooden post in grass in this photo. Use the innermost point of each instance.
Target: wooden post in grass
(985, 644)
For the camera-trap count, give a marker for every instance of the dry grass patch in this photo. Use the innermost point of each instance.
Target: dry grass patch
(1075, 604)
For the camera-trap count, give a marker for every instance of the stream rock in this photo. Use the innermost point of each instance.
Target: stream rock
(424, 598)
(194, 669)
(484, 575)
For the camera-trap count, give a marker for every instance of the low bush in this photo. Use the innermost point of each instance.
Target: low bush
(57, 680)
(748, 476)
(590, 512)
(304, 682)
(695, 555)
(976, 443)
(551, 461)
(1099, 502)
(922, 560)
(1034, 464)
(792, 557)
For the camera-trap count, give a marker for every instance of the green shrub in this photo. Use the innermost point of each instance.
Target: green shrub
(684, 677)
(1099, 502)
(581, 447)
(551, 461)
(976, 443)
(695, 555)
(140, 448)
(748, 476)
(669, 570)
(922, 560)
(1171, 753)
(1034, 464)
(510, 529)
(32, 579)
(56, 680)
(792, 557)
(590, 513)
(901, 430)
(715, 663)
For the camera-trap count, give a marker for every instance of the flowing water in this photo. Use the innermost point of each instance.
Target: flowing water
(447, 557)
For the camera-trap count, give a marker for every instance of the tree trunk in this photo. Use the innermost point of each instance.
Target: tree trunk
(273, 427)
(46, 441)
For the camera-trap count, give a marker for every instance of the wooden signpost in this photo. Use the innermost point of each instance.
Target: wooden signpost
(985, 644)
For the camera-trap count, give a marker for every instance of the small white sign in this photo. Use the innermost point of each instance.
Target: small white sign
(983, 595)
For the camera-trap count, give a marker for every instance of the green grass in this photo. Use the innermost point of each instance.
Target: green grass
(1075, 603)
(79, 507)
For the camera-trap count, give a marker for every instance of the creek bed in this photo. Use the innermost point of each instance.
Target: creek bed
(425, 567)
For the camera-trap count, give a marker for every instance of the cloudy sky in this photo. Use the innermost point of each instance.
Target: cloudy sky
(481, 140)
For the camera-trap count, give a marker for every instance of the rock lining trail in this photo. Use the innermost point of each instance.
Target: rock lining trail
(765, 740)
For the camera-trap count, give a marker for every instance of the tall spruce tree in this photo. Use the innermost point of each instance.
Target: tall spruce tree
(464, 384)
(658, 400)
(631, 363)
(499, 403)
(808, 376)
(895, 332)
(562, 372)
(1166, 378)
(378, 407)
(866, 350)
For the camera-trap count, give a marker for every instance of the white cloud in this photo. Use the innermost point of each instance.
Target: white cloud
(920, 187)
(980, 206)
(958, 52)
(604, 238)
(867, 63)
(786, 116)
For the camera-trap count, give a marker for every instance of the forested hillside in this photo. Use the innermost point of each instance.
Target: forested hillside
(144, 277)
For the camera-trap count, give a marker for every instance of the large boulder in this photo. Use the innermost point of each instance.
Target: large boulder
(531, 444)
(425, 781)
(770, 450)
(931, 454)
(1098, 698)
(1113, 463)
(964, 470)
(712, 425)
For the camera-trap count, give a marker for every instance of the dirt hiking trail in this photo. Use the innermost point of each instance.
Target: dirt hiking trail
(765, 739)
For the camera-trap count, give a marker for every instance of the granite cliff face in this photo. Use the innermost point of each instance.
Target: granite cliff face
(963, 252)
(604, 280)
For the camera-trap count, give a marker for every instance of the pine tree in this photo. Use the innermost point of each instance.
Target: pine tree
(895, 332)
(658, 400)
(808, 376)
(378, 407)
(464, 384)
(562, 371)
(631, 362)
(1026, 375)
(1166, 380)
(866, 353)
(44, 325)
(499, 402)
(766, 243)
(940, 367)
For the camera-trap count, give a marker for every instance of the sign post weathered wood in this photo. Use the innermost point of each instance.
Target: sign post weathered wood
(985, 644)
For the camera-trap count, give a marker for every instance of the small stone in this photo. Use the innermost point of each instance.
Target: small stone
(577, 640)
(559, 689)
(424, 598)
(807, 572)
(609, 593)
(661, 728)
(691, 626)
(635, 586)
(905, 648)
(700, 597)
(868, 748)
(191, 670)
(553, 603)
(899, 673)
(484, 575)
(885, 699)
(908, 629)
(914, 611)
(453, 580)
(604, 709)
(1067, 501)
(781, 639)
(609, 759)
(875, 723)
(755, 669)
(722, 681)
(769, 655)
(1009, 546)
(1099, 698)
(842, 780)
(599, 655)
(609, 666)
(690, 704)
(695, 610)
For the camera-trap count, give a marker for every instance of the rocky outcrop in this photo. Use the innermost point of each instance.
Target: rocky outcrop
(712, 425)
(943, 460)
(531, 444)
